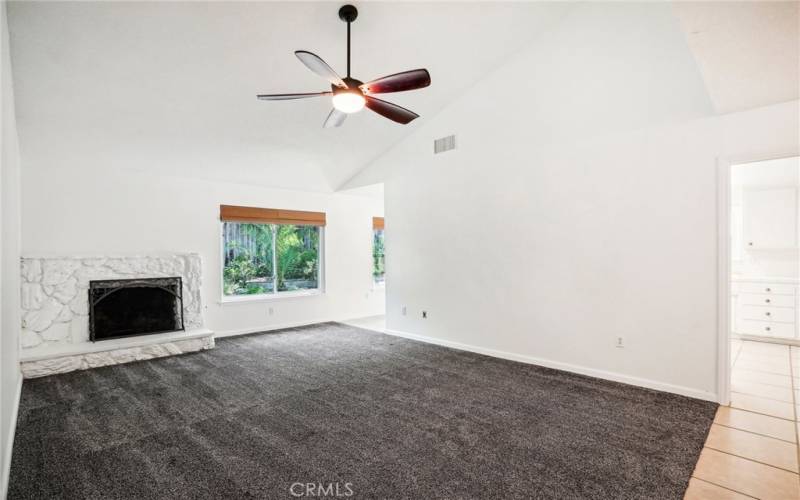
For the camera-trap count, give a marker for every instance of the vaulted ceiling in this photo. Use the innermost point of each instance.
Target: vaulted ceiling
(747, 52)
(170, 87)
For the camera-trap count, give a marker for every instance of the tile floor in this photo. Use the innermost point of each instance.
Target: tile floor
(751, 450)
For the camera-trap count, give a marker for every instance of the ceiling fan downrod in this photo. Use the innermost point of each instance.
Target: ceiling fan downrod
(348, 13)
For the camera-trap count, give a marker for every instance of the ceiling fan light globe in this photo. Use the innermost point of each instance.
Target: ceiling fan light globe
(348, 102)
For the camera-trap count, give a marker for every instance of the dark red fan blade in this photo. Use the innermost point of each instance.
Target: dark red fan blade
(390, 111)
(284, 97)
(407, 80)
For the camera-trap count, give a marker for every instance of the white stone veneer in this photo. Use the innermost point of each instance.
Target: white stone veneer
(55, 308)
(68, 363)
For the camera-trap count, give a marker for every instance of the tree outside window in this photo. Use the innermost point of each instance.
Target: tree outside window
(378, 257)
(269, 258)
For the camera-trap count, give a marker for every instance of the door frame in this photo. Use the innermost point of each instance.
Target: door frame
(724, 166)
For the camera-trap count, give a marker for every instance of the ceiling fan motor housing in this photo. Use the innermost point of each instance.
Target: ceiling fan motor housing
(352, 84)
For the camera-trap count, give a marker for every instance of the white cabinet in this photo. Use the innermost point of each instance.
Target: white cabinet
(778, 314)
(765, 329)
(765, 308)
(770, 218)
(766, 300)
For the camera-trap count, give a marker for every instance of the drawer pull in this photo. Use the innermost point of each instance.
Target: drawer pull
(750, 243)
(768, 328)
(768, 314)
(767, 301)
(769, 289)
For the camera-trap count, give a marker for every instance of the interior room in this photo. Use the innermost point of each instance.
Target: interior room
(400, 250)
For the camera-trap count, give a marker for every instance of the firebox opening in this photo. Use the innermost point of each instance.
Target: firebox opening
(130, 307)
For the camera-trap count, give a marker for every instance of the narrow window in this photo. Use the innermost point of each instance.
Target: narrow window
(297, 249)
(249, 264)
(378, 256)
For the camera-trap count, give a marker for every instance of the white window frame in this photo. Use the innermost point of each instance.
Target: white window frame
(275, 295)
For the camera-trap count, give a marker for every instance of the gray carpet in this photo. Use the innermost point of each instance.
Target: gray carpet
(381, 416)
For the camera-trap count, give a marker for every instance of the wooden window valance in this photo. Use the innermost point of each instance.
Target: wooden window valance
(231, 213)
(377, 223)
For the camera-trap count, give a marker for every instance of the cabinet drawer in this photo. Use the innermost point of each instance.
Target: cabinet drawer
(763, 299)
(772, 314)
(766, 288)
(750, 327)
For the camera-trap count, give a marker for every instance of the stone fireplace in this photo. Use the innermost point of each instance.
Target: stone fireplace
(147, 306)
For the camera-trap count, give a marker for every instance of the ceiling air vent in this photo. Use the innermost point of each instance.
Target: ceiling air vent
(444, 144)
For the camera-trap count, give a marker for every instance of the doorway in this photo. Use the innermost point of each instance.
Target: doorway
(756, 428)
(760, 286)
(764, 250)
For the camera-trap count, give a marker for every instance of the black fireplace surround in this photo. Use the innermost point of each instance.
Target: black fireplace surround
(130, 307)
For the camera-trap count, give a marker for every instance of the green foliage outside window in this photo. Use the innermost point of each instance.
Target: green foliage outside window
(298, 249)
(250, 267)
(378, 257)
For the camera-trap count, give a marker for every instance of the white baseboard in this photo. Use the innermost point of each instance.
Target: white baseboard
(268, 328)
(7, 453)
(558, 365)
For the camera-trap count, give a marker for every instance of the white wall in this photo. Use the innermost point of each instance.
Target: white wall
(92, 211)
(579, 206)
(9, 261)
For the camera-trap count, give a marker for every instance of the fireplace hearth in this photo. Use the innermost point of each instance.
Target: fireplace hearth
(129, 307)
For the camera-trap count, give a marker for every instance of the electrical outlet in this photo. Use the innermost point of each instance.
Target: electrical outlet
(271, 311)
(424, 314)
(403, 311)
(620, 342)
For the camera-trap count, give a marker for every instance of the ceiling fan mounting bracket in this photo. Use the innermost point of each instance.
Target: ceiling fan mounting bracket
(348, 13)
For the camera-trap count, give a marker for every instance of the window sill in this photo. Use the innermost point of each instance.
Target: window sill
(268, 297)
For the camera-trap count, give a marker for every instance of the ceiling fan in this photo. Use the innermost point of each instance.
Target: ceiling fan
(351, 95)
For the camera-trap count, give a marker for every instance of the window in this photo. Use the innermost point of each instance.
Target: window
(269, 251)
(378, 257)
